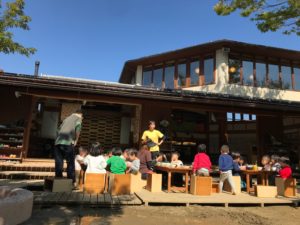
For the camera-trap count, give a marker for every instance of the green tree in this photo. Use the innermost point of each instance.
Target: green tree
(12, 17)
(269, 15)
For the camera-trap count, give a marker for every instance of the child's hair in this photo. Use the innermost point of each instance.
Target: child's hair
(225, 149)
(235, 155)
(151, 122)
(275, 158)
(82, 149)
(285, 160)
(95, 149)
(116, 151)
(201, 148)
(266, 157)
(162, 155)
(132, 152)
(176, 153)
(126, 150)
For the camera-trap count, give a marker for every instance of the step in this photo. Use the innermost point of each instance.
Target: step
(29, 175)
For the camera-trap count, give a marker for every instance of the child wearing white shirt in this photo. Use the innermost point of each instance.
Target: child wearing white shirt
(95, 161)
(78, 164)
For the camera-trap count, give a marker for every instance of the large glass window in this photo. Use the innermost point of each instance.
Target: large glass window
(261, 74)
(234, 71)
(209, 71)
(286, 74)
(248, 72)
(158, 77)
(169, 77)
(274, 76)
(195, 73)
(147, 78)
(297, 78)
(181, 74)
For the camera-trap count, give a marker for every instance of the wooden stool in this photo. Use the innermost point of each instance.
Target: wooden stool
(201, 185)
(286, 187)
(154, 182)
(94, 183)
(58, 184)
(215, 188)
(136, 183)
(119, 184)
(236, 182)
(265, 191)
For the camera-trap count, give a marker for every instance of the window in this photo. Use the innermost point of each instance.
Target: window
(158, 77)
(274, 76)
(169, 77)
(297, 78)
(181, 74)
(248, 73)
(261, 74)
(237, 117)
(234, 71)
(147, 78)
(246, 117)
(209, 71)
(286, 74)
(229, 116)
(195, 73)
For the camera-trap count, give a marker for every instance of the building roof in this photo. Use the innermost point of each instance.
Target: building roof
(77, 87)
(208, 48)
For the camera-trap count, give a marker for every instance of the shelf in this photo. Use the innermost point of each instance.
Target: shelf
(12, 129)
(10, 148)
(12, 135)
(10, 142)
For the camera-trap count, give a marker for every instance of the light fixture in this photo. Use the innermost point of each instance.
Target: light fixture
(251, 77)
(17, 94)
(197, 70)
(84, 102)
(232, 69)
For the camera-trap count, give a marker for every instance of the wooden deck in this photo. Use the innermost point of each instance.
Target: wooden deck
(223, 199)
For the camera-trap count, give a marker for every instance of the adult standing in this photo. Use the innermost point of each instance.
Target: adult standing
(67, 138)
(153, 139)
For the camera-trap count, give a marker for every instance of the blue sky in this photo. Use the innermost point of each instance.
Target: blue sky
(93, 38)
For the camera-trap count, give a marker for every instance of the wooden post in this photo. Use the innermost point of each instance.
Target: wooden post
(28, 122)
(254, 73)
(176, 75)
(241, 71)
(201, 72)
(188, 74)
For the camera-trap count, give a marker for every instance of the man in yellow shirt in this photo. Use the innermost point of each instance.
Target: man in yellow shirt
(153, 138)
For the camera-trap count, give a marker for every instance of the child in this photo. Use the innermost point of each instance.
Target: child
(134, 162)
(242, 161)
(236, 156)
(79, 164)
(175, 159)
(226, 166)
(275, 164)
(125, 154)
(107, 154)
(146, 165)
(286, 171)
(202, 163)
(115, 163)
(161, 157)
(265, 161)
(95, 162)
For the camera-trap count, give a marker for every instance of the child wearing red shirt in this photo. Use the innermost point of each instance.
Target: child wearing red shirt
(286, 171)
(202, 163)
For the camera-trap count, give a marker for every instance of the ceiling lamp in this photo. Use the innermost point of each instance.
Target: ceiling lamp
(232, 69)
(197, 70)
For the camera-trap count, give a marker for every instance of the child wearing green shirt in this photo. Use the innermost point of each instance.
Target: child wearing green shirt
(116, 164)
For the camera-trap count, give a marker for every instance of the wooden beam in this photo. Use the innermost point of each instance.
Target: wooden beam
(28, 123)
(201, 72)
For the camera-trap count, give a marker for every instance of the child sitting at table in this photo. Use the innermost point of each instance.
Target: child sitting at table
(202, 163)
(225, 167)
(125, 154)
(79, 166)
(286, 171)
(115, 163)
(107, 154)
(175, 159)
(275, 163)
(134, 162)
(95, 161)
(266, 163)
(236, 156)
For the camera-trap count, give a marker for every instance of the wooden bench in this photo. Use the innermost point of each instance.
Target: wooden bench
(286, 187)
(236, 182)
(119, 184)
(94, 183)
(154, 182)
(201, 185)
(262, 191)
(136, 183)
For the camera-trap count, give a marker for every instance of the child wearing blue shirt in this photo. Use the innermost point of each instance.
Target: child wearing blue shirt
(226, 167)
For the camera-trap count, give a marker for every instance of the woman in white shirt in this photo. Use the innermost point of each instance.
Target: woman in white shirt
(95, 162)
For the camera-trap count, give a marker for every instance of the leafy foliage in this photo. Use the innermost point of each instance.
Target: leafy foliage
(13, 17)
(269, 15)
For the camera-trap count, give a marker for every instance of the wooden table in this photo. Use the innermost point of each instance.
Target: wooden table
(264, 175)
(182, 170)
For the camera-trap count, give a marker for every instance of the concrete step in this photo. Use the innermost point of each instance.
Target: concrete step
(27, 175)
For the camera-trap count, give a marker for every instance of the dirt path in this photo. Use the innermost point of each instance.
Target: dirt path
(159, 215)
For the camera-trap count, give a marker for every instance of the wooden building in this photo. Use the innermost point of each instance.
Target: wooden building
(220, 92)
